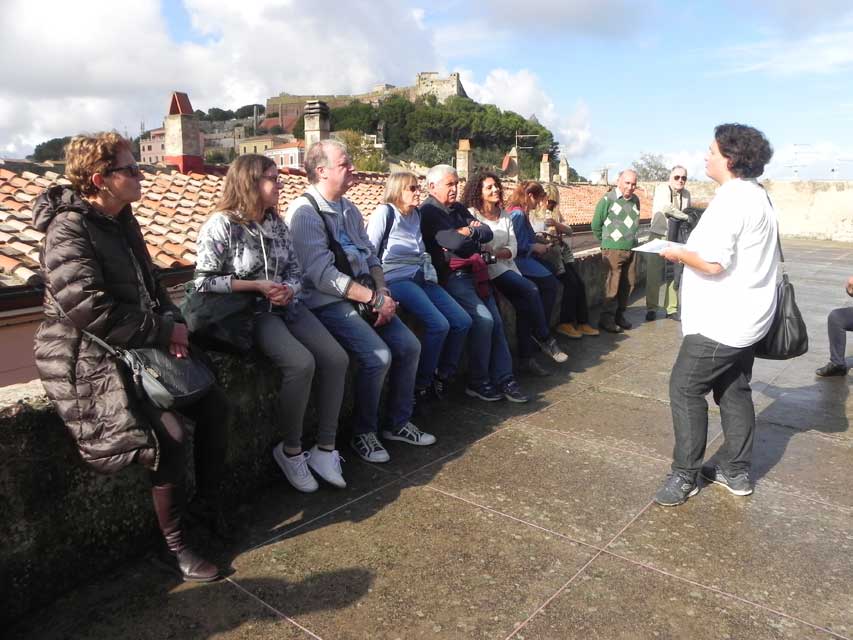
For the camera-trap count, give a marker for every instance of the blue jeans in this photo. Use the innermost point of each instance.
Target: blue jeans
(445, 325)
(530, 319)
(704, 365)
(488, 353)
(376, 350)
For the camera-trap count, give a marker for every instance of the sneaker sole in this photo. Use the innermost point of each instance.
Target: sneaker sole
(734, 492)
(517, 400)
(279, 458)
(389, 435)
(474, 394)
(675, 504)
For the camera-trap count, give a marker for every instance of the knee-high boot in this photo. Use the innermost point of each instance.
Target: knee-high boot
(169, 506)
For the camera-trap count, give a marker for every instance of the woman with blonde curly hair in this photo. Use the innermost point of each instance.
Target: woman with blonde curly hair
(245, 246)
(100, 281)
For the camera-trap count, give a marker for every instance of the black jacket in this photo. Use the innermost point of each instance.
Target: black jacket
(87, 265)
(436, 217)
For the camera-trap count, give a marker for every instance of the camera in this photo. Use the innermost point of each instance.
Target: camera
(488, 257)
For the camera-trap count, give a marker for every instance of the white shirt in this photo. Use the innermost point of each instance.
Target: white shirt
(738, 231)
(503, 238)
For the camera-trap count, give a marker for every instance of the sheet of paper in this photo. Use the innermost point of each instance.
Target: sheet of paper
(656, 246)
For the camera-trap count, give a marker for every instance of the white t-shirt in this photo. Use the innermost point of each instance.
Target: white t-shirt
(738, 231)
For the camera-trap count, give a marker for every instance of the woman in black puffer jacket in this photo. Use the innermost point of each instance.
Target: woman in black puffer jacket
(97, 268)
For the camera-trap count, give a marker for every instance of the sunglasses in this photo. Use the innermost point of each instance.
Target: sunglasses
(413, 188)
(132, 170)
(679, 178)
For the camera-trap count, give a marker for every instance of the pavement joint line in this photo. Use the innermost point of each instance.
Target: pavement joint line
(267, 605)
(526, 415)
(579, 572)
(600, 444)
(725, 594)
(288, 531)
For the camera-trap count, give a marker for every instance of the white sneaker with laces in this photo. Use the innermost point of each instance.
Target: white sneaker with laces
(368, 448)
(551, 349)
(327, 465)
(295, 469)
(411, 434)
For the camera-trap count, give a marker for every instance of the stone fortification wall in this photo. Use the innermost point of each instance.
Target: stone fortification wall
(818, 209)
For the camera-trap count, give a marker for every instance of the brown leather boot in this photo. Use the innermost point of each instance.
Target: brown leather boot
(169, 505)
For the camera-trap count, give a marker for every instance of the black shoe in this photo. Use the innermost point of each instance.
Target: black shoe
(608, 325)
(675, 490)
(512, 392)
(485, 391)
(622, 322)
(440, 387)
(532, 366)
(831, 369)
(739, 485)
(651, 315)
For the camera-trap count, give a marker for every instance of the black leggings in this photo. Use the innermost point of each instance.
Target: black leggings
(573, 307)
(210, 415)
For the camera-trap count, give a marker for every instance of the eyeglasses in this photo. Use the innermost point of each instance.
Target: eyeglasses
(277, 179)
(679, 178)
(413, 188)
(132, 170)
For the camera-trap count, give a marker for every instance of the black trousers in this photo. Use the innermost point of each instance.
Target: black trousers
(839, 322)
(210, 415)
(573, 308)
(704, 365)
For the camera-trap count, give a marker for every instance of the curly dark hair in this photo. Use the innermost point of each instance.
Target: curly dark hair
(746, 149)
(472, 196)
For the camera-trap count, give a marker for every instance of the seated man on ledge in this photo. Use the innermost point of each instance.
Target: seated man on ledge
(839, 322)
(387, 346)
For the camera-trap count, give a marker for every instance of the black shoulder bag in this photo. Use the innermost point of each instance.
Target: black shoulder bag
(365, 310)
(219, 321)
(788, 336)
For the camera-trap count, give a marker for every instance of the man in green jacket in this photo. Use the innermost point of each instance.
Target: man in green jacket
(615, 225)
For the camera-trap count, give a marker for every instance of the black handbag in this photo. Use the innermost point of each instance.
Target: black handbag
(168, 382)
(364, 309)
(788, 336)
(220, 321)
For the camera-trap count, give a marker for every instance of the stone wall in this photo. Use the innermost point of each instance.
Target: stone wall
(818, 209)
(63, 524)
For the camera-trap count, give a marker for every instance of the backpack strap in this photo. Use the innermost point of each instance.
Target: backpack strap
(341, 261)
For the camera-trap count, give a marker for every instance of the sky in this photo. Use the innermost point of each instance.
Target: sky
(612, 79)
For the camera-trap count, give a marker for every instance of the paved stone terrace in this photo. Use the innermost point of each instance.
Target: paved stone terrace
(536, 521)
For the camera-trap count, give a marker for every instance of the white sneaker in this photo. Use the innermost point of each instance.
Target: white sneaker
(368, 448)
(327, 465)
(411, 434)
(296, 469)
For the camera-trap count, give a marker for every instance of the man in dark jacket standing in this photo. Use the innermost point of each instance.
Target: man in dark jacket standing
(489, 360)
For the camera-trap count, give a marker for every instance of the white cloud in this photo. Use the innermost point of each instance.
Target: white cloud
(820, 53)
(819, 161)
(70, 69)
(521, 91)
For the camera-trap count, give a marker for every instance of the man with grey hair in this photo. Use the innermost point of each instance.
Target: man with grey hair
(615, 225)
(453, 237)
(323, 222)
(670, 201)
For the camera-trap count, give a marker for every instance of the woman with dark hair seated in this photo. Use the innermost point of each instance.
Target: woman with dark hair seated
(248, 241)
(484, 197)
(728, 300)
(100, 281)
(395, 231)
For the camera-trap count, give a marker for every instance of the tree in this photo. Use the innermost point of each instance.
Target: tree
(53, 149)
(299, 129)
(276, 130)
(248, 110)
(394, 113)
(651, 168)
(219, 115)
(364, 156)
(356, 116)
(431, 153)
(216, 156)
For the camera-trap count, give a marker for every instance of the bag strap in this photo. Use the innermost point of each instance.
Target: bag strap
(778, 235)
(341, 261)
(90, 335)
(389, 222)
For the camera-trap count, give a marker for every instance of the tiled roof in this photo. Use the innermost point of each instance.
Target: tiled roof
(171, 211)
(174, 206)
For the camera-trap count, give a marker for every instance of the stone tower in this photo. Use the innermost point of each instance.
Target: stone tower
(183, 135)
(564, 169)
(464, 158)
(545, 169)
(316, 122)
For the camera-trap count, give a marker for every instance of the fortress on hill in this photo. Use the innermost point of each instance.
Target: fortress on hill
(428, 83)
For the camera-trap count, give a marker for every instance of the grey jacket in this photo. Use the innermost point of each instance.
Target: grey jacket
(323, 283)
